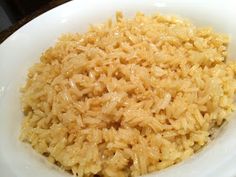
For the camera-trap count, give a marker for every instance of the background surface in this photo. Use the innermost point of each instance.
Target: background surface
(15, 13)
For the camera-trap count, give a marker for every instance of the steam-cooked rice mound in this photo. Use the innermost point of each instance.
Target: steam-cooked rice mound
(128, 97)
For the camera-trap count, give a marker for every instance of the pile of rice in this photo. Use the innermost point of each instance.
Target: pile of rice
(128, 97)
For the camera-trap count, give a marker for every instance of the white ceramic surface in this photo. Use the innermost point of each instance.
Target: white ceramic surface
(24, 47)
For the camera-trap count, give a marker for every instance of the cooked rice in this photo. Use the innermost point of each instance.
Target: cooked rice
(128, 97)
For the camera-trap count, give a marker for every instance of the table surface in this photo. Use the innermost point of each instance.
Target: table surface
(6, 33)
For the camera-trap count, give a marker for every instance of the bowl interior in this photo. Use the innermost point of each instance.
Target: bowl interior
(24, 47)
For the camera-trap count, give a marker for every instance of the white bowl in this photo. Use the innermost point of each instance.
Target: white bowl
(25, 46)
